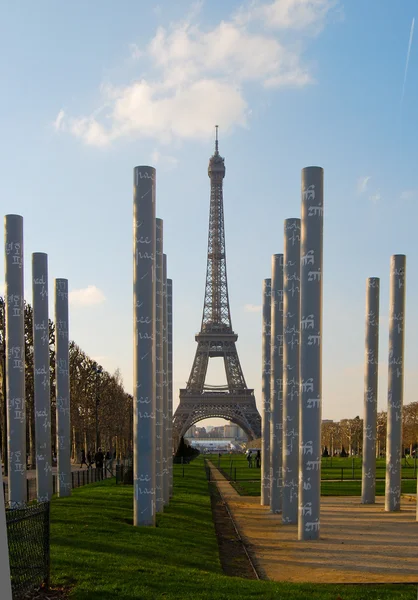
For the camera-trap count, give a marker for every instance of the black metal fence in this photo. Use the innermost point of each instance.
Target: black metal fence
(29, 547)
(125, 472)
(78, 479)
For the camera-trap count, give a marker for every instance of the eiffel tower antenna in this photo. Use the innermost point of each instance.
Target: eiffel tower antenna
(234, 401)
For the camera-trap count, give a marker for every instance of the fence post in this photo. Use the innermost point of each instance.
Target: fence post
(27, 490)
(342, 473)
(48, 545)
(235, 473)
(415, 465)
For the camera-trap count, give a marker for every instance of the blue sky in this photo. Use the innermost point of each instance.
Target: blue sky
(91, 90)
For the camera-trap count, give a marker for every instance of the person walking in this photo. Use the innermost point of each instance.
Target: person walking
(98, 459)
(258, 459)
(83, 459)
(250, 459)
(89, 459)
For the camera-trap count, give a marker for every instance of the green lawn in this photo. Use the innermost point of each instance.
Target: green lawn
(330, 488)
(340, 469)
(96, 550)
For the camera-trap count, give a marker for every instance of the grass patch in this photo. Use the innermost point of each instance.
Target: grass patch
(330, 488)
(96, 550)
(337, 475)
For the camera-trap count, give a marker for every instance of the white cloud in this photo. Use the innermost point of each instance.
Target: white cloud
(290, 14)
(376, 197)
(362, 184)
(59, 120)
(200, 76)
(409, 195)
(252, 307)
(164, 160)
(89, 296)
(136, 52)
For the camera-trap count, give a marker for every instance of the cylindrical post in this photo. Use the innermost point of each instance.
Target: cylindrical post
(265, 416)
(15, 359)
(291, 324)
(276, 383)
(371, 370)
(395, 382)
(170, 381)
(62, 388)
(310, 353)
(144, 408)
(166, 482)
(159, 385)
(41, 370)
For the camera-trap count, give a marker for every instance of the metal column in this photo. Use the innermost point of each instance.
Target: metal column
(291, 332)
(310, 354)
(170, 380)
(395, 382)
(41, 367)
(371, 369)
(144, 407)
(62, 388)
(166, 472)
(159, 386)
(276, 383)
(265, 416)
(15, 359)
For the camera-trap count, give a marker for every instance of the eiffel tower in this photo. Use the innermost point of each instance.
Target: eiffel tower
(234, 401)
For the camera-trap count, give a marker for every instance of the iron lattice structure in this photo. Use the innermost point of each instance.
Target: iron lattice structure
(198, 400)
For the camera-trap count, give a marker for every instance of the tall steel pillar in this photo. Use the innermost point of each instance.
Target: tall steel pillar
(170, 381)
(371, 370)
(15, 359)
(395, 382)
(265, 416)
(144, 407)
(62, 388)
(310, 353)
(291, 325)
(41, 368)
(276, 384)
(166, 472)
(159, 320)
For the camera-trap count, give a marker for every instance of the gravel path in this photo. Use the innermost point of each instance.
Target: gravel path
(359, 543)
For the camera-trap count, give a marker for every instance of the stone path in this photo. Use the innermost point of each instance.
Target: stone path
(359, 543)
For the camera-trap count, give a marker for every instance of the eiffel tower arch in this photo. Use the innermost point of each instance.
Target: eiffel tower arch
(233, 401)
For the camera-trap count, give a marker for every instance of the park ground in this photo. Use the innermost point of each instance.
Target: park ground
(97, 554)
(339, 476)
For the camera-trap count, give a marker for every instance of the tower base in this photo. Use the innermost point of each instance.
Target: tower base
(240, 408)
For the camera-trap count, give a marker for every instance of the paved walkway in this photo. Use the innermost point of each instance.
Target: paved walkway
(359, 543)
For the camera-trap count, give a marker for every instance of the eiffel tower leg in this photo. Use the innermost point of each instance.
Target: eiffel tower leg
(266, 357)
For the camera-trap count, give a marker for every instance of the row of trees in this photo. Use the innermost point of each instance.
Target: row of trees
(347, 434)
(101, 411)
